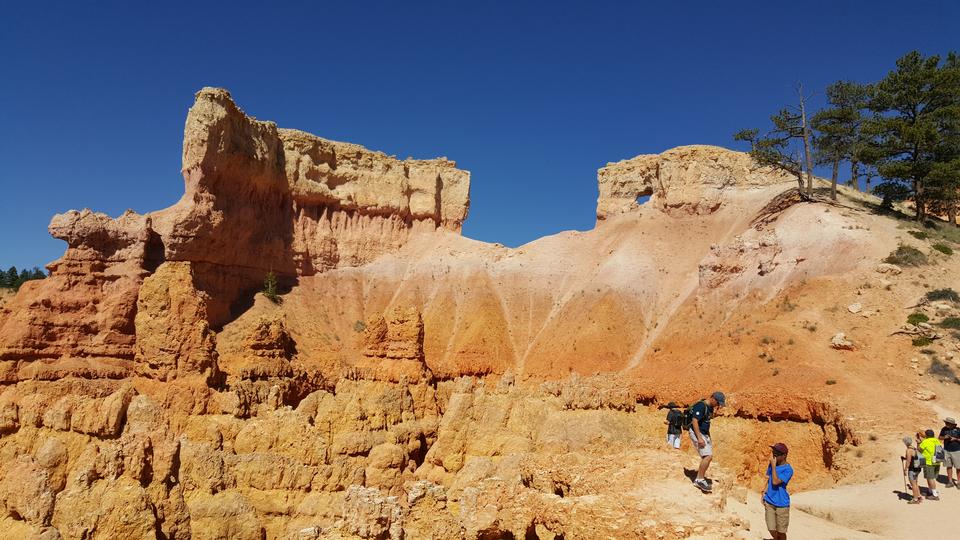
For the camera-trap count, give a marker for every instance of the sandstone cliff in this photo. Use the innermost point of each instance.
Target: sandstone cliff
(257, 199)
(413, 383)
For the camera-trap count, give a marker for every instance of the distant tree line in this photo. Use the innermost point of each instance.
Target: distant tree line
(12, 279)
(903, 129)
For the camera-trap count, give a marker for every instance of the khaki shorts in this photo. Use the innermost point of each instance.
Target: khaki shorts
(930, 472)
(952, 459)
(778, 517)
(707, 450)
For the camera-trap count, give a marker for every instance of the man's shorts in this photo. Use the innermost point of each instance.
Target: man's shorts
(912, 475)
(952, 459)
(707, 450)
(930, 472)
(778, 517)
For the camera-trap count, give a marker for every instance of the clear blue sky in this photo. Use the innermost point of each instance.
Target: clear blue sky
(531, 97)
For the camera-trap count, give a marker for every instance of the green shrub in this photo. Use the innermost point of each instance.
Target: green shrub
(917, 318)
(944, 294)
(943, 248)
(831, 382)
(951, 322)
(919, 235)
(359, 326)
(922, 341)
(951, 234)
(270, 288)
(906, 256)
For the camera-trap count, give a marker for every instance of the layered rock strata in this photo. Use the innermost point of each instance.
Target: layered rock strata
(258, 199)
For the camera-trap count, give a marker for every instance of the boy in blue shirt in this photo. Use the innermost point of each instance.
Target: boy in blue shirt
(776, 500)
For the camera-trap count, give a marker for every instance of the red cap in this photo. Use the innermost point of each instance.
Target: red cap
(780, 448)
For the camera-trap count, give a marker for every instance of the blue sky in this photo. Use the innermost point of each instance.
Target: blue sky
(531, 97)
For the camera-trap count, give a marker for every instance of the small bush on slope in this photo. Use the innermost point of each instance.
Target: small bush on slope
(906, 256)
(941, 369)
(944, 294)
(943, 248)
(951, 322)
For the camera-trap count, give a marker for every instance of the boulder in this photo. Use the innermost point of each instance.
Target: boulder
(887, 268)
(840, 341)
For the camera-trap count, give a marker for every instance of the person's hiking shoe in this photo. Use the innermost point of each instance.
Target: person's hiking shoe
(933, 498)
(703, 486)
(915, 500)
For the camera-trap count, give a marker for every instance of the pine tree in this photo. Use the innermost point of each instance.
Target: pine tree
(839, 130)
(779, 147)
(944, 179)
(12, 277)
(270, 287)
(909, 107)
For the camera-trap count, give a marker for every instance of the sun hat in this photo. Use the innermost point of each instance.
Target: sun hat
(721, 399)
(950, 421)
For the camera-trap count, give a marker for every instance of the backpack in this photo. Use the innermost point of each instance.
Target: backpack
(688, 416)
(938, 454)
(675, 420)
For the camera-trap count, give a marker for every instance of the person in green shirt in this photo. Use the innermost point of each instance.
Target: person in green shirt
(931, 468)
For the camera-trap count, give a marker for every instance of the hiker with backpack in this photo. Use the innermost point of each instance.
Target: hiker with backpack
(950, 436)
(697, 419)
(674, 425)
(912, 467)
(932, 452)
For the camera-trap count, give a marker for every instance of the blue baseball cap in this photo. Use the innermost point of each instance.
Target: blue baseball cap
(721, 399)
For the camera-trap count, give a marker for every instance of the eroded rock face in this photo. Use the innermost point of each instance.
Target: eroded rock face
(257, 199)
(174, 336)
(686, 179)
(264, 198)
(86, 307)
(393, 347)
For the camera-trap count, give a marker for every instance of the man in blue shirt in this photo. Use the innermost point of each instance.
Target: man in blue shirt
(700, 414)
(776, 500)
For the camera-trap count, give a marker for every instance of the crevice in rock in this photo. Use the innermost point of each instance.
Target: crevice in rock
(494, 533)
(153, 251)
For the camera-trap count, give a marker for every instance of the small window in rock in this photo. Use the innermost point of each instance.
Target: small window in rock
(644, 197)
